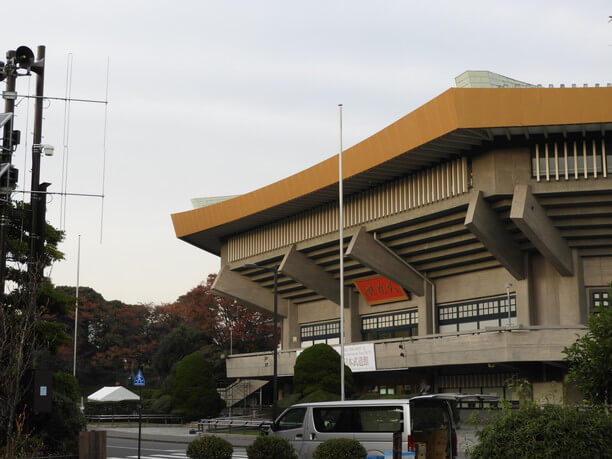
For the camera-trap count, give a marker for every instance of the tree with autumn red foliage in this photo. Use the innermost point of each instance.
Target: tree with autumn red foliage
(114, 338)
(205, 310)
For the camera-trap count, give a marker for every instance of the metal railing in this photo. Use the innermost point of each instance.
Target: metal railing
(156, 418)
(229, 424)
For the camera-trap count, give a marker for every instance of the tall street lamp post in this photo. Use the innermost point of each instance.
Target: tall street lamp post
(273, 270)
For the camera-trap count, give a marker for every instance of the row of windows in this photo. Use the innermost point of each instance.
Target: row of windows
(393, 325)
(475, 315)
(572, 158)
(472, 315)
(398, 319)
(321, 330)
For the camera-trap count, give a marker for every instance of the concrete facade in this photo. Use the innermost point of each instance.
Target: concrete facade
(494, 214)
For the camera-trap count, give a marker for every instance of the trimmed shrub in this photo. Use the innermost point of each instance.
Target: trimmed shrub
(194, 394)
(269, 447)
(318, 368)
(340, 448)
(549, 431)
(287, 401)
(210, 447)
(319, 395)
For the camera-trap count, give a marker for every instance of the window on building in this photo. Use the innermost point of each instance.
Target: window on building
(600, 298)
(322, 332)
(558, 158)
(394, 325)
(476, 315)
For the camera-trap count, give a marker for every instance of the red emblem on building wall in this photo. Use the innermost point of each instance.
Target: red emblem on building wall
(379, 290)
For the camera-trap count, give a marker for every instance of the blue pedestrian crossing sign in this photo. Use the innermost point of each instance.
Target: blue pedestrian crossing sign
(139, 379)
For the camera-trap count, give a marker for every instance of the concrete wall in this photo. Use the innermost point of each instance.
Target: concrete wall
(558, 300)
(477, 284)
(498, 171)
(493, 346)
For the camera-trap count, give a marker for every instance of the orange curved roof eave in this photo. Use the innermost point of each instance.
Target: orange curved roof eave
(454, 109)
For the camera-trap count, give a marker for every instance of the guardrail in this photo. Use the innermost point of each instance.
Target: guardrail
(157, 418)
(213, 425)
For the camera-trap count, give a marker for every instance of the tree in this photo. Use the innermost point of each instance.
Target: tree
(590, 358)
(177, 344)
(317, 369)
(28, 331)
(194, 394)
(203, 309)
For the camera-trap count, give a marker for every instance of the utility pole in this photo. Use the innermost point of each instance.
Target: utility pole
(38, 199)
(20, 59)
(9, 70)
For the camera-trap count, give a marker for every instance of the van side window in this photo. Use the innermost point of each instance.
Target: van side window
(292, 419)
(380, 419)
(333, 419)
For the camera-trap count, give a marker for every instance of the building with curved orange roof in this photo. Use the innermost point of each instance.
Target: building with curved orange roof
(478, 238)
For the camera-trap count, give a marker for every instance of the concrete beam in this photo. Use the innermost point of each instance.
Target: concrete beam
(231, 284)
(301, 268)
(531, 219)
(484, 223)
(369, 252)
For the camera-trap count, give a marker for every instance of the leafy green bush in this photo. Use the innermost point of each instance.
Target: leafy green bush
(589, 358)
(162, 405)
(340, 448)
(318, 368)
(319, 395)
(546, 432)
(59, 430)
(271, 448)
(287, 401)
(194, 394)
(210, 447)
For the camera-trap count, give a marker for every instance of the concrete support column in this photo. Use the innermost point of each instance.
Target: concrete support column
(524, 296)
(572, 307)
(352, 322)
(290, 327)
(426, 312)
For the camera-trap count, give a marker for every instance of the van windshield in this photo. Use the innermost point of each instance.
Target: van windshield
(292, 419)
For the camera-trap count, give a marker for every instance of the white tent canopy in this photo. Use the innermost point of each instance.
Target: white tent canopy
(112, 394)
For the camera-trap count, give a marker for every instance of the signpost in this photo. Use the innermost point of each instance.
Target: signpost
(139, 382)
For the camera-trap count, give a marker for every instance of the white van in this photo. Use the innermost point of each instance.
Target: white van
(425, 422)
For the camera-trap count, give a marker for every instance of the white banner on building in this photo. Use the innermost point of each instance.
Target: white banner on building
(359, 357)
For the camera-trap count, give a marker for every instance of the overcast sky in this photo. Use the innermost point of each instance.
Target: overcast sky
(220, 98)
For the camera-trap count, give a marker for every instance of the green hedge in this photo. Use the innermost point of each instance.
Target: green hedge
(316, 369)
(340, 448)
(210, 447)
(546, 432)
(269, 447)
